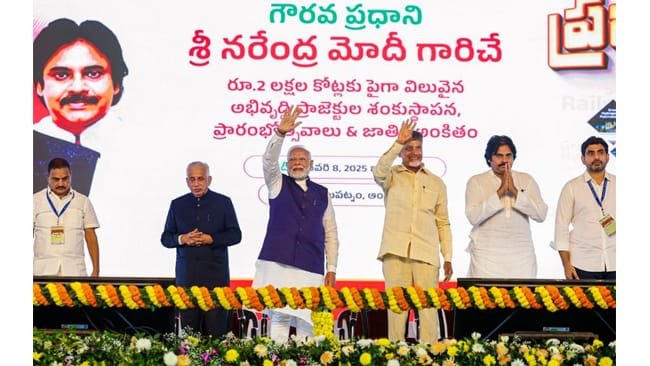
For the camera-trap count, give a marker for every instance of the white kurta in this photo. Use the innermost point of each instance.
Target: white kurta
(501, 244)
(66, 258)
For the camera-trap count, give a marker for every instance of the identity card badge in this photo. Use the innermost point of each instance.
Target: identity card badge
(609, 224)
(56, 235)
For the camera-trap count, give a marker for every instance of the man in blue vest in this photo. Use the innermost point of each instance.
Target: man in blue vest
(201, 225)
(301, 244)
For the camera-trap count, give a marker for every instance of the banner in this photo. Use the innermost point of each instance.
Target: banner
(209, 81)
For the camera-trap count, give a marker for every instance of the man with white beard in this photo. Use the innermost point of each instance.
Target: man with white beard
(300, 248)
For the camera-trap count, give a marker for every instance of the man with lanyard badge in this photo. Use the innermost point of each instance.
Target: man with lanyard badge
(63, 220)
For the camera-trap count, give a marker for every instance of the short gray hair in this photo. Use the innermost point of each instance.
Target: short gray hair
(298, 147)
(201, 164)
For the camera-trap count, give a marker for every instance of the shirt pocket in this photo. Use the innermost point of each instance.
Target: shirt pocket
(428, 199)
(74, 218)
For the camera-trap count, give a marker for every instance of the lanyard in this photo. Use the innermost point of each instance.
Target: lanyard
(602, 196)
(57, 213)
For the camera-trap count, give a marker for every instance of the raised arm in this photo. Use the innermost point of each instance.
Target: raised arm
(270, 163)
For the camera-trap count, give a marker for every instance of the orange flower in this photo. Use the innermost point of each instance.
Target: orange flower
(90, 295)
(607, 295)
(232, 299)
(486, 298)
(315, 298)
(63, 293)
(112, 294)
(584, 300)
(398, 292)
(464, 297)
(275, 297)
(530, 296)
(444, 301)
(207, 297)
(186, 299)
(356, 296)
(254, 299)
(42, 300)
(160, 295)
(336, 299)
(376, 297)
(557, 297)
(422, 296)
(136, 297)
(297, 298)
(507, 300)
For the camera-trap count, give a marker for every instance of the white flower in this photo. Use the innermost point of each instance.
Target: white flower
(420, 351)
(478, 348)
(403, 350)
(392, 362)
(143, 344)
(504, 339)
(318, 339)
(554, 350)
(518, 362)
(612, 344)
(576, 348)
(553, 341)
(347, 350)
(291, 363)
(476, 336)
(364, 343)
(170, 359)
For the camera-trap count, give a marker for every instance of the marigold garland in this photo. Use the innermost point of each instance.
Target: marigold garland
(221, 298)
(288, 295)
(397, 299)
(151, 294)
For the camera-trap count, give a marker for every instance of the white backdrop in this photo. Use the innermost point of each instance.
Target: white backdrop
(171, 109)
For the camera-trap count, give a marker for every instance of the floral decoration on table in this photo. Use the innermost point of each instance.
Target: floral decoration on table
(107, 348)
(398, 299)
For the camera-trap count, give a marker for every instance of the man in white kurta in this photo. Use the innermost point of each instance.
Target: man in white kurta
(499, 204)
(63, 220)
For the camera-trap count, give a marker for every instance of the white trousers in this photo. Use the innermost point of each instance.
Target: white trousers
(280, 324)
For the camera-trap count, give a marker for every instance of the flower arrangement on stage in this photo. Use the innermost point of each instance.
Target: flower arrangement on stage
(107, 348)
(549, 297)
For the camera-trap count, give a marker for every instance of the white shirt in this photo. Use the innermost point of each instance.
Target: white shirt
(501, 244)
(281, 275)
(577, 228)
(68, 258)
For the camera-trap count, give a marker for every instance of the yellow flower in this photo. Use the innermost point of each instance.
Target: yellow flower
(489, 360)
(530, 359)
(383, 342)
(597, 343)
(452, 351)
(184, 360)
(267, 363)
(365, 358)
(605, 361)
(501, 349)
(260, 350)
(232, 355)
(193, 340)
(448, 362)
(36, 356)
(85, 363)
(438, 348)
(326, 358)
